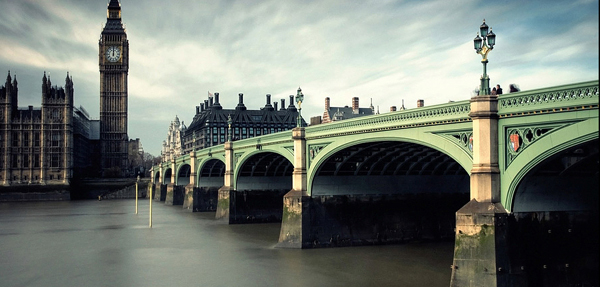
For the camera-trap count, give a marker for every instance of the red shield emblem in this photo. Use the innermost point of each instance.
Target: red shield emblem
(514, 141)
(471, 143)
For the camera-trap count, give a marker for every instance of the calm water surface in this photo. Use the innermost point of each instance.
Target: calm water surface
(104, 243)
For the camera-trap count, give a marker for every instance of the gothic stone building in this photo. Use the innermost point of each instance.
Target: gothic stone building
(172, 148)
(114, 67)
(37, 143)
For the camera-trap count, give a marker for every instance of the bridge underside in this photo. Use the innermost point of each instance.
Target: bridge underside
(263, 180)
(553, 232)
(204, 195)
(386, 192)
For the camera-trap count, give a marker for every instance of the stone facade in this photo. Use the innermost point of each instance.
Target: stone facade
(172, 148)
(37, 143)
(332, 114)
(209, 126)
(114, 66)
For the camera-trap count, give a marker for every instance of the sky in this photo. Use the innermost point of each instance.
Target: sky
(382, 51)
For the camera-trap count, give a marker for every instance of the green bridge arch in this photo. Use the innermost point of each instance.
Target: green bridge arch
(560, 139)
(428, 138)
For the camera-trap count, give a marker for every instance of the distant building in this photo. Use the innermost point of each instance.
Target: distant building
(209, 126)
(172, 147)
(136, 157)
(315, 120)
(86, 144)
(332, 114)
(37, 143)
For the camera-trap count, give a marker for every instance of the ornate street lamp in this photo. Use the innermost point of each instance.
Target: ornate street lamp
(299, 99)
(194, 141)
(483, 45)
(229, 122)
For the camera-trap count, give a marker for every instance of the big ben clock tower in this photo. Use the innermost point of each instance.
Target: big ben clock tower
(114, 66)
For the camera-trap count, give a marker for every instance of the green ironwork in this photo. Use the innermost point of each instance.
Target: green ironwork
(546, 120)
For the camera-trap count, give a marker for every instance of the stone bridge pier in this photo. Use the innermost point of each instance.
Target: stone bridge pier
(480, 245)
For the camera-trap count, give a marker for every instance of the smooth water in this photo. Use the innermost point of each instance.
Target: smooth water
(104, 243)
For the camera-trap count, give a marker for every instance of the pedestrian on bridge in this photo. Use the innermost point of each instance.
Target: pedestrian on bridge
(498, 89)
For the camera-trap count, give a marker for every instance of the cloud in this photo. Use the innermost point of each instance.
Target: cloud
(386, 50)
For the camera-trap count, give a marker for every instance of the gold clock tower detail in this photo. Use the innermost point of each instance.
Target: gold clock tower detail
(114, 65)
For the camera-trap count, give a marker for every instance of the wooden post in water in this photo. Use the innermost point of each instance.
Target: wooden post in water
(150, 205)
(136, 194)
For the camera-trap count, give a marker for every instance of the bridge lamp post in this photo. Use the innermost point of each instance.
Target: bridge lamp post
(229, 122)
(194, 140)
(483, 45)
(299, 99)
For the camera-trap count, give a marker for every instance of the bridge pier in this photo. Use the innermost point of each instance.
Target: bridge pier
(188, 197)
(223, 200)
(480, 251)
(295, 222)
(188, 192)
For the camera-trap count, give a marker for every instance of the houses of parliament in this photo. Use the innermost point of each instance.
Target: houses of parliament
(57, 141)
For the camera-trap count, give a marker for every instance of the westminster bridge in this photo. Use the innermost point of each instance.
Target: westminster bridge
(511, 178)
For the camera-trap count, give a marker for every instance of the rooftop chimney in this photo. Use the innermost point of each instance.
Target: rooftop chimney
(217, 105)
(210, 101)
(197, 109)
(241, 106)
(282, 104)
(420, 103)
(392, 108)
(355, 105)
(291, 106)
(327, 103)
(268, 105)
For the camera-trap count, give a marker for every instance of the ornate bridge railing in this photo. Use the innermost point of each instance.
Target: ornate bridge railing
(554, 99)
(432, 115)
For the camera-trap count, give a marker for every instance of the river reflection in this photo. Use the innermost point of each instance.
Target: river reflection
(103, 243)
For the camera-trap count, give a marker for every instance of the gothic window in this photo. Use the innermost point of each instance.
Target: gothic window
(26, 160)
(244, 131)
(36, 139)
(214, 130)
(55, 139)
(237, 131)
(15, 161)
(272, 130)
(36, 160)
(15, 139)
(54, 160)
(25, 139)
(222, 139)
(55, 114)
(222, 130)
(251, 131)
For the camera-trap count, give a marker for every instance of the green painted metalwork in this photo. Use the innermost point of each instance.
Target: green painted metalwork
(546, 121)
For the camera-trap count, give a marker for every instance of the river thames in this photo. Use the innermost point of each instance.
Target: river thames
(104, 243)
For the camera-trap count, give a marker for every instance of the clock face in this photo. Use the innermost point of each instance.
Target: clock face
(113, 53)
